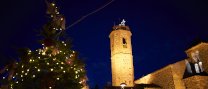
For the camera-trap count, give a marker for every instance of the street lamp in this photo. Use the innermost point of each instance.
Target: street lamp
(122, 85)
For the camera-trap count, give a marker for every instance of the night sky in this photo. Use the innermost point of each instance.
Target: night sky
(161, 31)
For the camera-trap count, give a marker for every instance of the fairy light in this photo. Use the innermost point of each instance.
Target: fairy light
(43, 53)
(57, 78)
(61, 67)
(51, 69)
(33, 76)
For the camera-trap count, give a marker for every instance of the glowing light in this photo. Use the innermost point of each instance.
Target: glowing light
(43, 53)
(57, 78)
(38, 70)
(50, 87)
(52, 4)
(33, 76)
(122, 85)
(51, 69)
(61, 67)
(64, 71)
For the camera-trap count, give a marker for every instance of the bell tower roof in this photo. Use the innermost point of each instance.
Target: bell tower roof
(121, 26)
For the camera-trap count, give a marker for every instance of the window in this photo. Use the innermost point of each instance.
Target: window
(124, 43)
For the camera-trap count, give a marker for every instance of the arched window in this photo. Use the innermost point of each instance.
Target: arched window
(124, 43)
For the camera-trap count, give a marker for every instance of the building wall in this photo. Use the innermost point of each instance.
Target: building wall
(196, 82)
(169, 77)
(162, 78)
(203, 51)
(121, 57)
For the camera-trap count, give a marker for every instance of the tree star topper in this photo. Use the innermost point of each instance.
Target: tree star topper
(122, 23)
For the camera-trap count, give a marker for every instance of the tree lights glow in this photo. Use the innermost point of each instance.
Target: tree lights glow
(54, 65)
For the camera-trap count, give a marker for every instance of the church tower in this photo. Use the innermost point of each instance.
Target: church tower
(121, 56)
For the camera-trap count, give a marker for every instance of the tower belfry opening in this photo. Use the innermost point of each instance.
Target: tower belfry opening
(124, 43)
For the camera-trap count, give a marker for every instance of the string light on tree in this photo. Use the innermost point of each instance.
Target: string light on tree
(53, 61)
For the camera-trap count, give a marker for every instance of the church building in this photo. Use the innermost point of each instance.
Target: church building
(189, 73)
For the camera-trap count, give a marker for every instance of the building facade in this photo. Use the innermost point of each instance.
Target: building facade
(190, 73)
(121, 55)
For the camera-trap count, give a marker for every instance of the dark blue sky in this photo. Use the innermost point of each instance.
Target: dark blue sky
(162, 30)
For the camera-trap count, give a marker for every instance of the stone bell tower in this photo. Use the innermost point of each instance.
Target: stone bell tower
(121, 56)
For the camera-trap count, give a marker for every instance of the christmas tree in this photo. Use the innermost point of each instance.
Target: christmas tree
(54, 66)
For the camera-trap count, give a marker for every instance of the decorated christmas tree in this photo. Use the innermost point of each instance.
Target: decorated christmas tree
(54, 66)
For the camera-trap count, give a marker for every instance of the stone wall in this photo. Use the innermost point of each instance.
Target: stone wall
(169, 77)
(196, 82)
(162, 78)
(203, 51)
